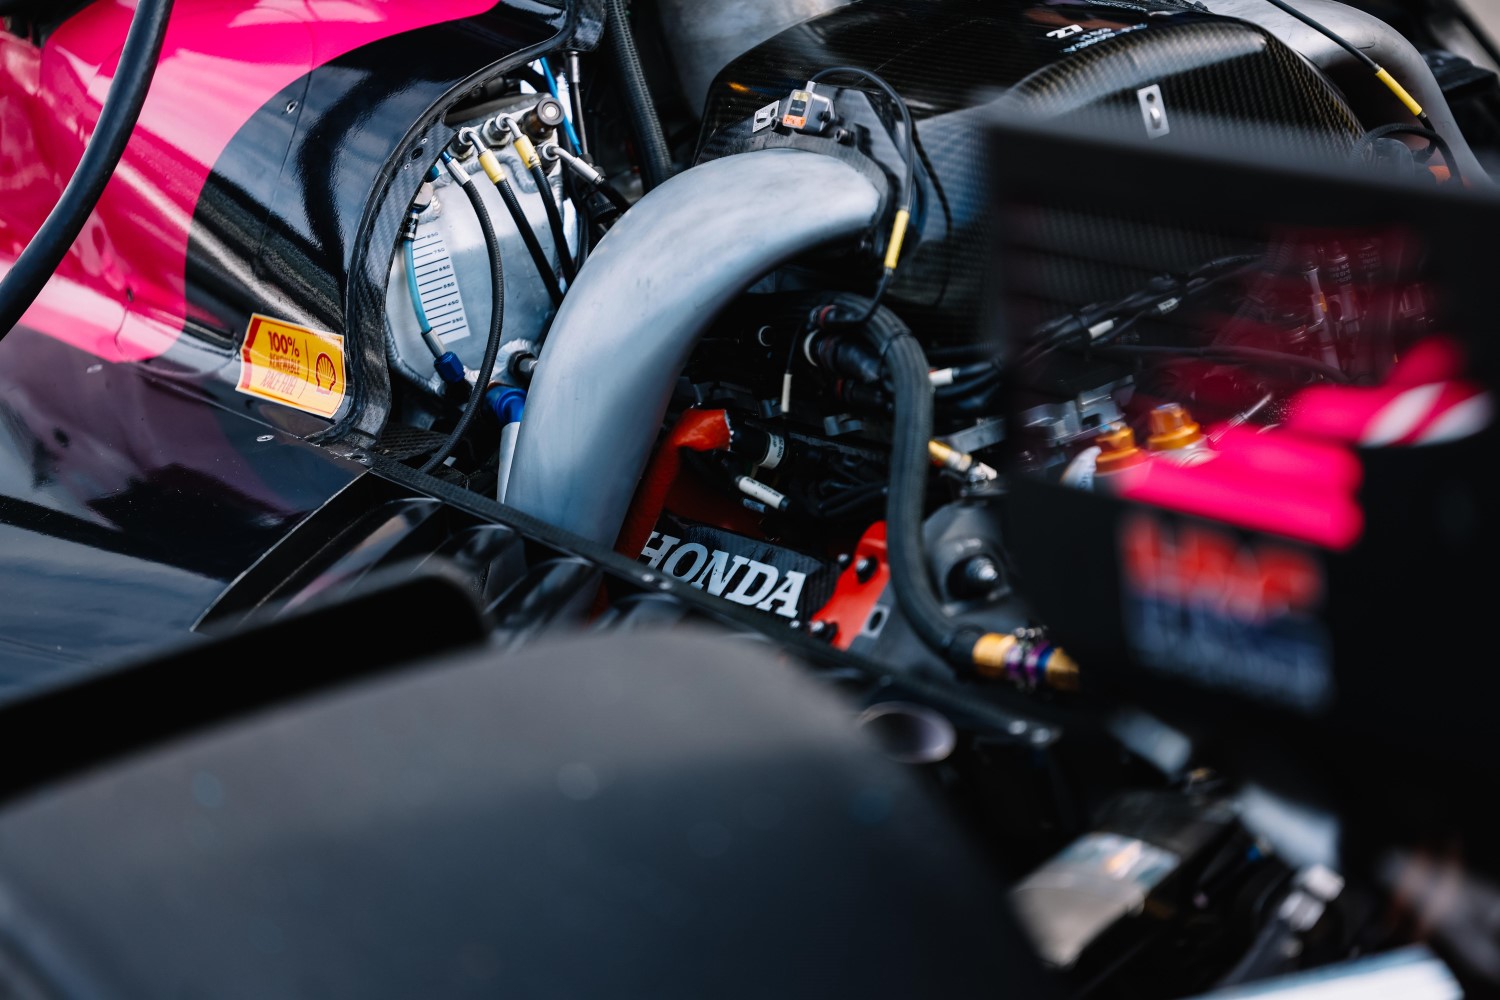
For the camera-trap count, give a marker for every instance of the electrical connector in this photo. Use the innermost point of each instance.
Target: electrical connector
(808, 111)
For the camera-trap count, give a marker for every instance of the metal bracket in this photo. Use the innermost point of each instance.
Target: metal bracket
(766, 117)
(1153, 111)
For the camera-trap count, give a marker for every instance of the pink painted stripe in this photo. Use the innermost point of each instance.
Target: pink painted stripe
(223, 60)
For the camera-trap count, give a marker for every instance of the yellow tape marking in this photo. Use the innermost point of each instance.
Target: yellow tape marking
(1399, 91)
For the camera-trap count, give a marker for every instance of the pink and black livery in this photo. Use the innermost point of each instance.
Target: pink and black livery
(268, 173)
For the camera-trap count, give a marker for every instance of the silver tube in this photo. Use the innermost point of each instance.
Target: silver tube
(1377, 39)
(508, 435)
(628, 325)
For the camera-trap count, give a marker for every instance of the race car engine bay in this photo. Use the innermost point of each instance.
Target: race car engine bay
(765, 365)
(1088, 390)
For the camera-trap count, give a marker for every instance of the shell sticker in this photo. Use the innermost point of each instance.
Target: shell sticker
(292, 365)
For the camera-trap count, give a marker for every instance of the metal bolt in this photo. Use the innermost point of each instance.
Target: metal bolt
(982, 571)
(865, 568)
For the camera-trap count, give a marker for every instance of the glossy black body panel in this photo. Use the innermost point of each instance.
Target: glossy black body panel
(302, 211)
(129, 504)
(133, 494)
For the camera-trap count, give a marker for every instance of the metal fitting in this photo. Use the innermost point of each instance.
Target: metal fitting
(470, 139)
(551, 153)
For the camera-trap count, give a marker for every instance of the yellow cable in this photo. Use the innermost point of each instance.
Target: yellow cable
(1395, 87)
(898, 237)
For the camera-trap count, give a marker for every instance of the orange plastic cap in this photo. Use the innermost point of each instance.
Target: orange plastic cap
(1172, 427)
(1117, 449)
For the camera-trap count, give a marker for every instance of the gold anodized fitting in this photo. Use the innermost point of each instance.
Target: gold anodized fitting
(1062, 671)
(1117, 449)
(1172, 427)
(990, 653)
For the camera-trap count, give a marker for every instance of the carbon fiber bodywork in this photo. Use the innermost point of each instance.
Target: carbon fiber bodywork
(1222, 81)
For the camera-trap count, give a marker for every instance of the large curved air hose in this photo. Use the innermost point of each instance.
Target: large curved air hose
(652, 287)
(117, 120)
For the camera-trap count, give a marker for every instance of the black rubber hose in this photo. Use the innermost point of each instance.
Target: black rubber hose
(497, 323)
(651, 142)
(905, 366)
(528, 235)
(117, 121)
(554, 222)
(1369, 139)
(577, 193)
(575, 98)
(614, 197)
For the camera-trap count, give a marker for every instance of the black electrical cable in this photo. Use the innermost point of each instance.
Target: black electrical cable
(614, 197)
(1361, 56)
(117, 121)
(1369, 139)
(1327, 32)
(909, 148)
(911, 432)
(554, 221)
(1194, 288)
(575, 98)
(908, 180)
(528, 236)
(959, 388)
(578, 194)
(1075, 328)
(651, 142)
(497, 323)
(1231, 352)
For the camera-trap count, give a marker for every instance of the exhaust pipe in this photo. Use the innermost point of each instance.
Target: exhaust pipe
(650, 290)
(908, 733)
